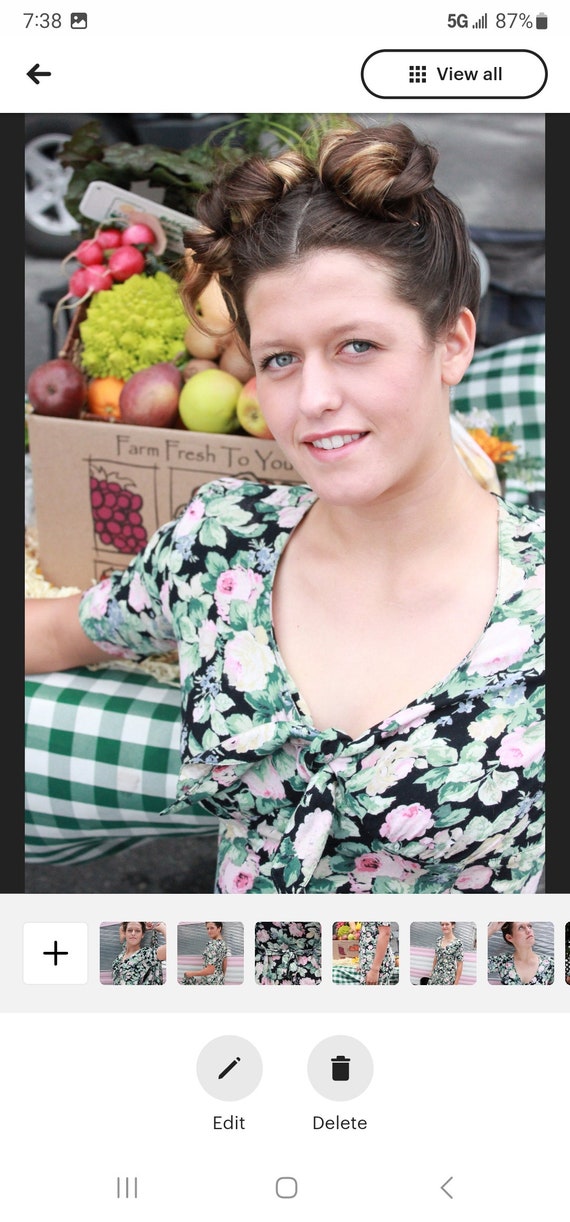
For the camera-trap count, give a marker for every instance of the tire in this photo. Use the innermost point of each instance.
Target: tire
(50, 230)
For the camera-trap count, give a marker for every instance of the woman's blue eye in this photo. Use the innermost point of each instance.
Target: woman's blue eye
(278, 360)
(359, 345)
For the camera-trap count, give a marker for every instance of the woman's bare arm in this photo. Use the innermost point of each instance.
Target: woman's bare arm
(54, 638)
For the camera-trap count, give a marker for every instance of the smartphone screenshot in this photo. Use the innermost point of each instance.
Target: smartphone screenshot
(284, 478)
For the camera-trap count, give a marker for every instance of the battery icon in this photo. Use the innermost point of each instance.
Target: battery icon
(541, 21)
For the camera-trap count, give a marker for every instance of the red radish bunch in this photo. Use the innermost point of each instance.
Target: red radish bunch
(112, 255)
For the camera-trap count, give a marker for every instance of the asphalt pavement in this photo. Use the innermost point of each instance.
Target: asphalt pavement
(159, 865)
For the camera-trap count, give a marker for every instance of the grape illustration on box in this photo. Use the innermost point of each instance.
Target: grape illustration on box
(122, 498)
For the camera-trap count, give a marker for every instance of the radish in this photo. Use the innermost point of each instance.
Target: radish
(88, 252)
(138, 234)
(109, 239)
(84, 282)
(125, 262)
(98, 278)
(78, 282)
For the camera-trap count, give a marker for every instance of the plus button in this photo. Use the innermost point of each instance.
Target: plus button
(55, 952)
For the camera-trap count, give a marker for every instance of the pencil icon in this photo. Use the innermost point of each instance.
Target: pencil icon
(231, 1065)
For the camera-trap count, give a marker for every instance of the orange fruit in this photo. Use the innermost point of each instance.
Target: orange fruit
(103, 397)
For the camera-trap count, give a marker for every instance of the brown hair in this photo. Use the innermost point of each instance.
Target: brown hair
(141, 923)
(368, 189)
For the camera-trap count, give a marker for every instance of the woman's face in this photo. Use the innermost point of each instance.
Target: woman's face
(521, 935)
(212, 930)
(350, 386)
(133, 933)
(447, 928)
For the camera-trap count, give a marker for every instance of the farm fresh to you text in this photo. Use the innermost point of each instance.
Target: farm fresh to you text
(233, 454)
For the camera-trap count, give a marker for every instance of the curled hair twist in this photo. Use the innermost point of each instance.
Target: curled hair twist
(382, 177)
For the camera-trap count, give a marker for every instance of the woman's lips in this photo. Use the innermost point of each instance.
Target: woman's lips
(331, 445)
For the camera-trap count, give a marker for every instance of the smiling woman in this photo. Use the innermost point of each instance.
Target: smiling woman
(360, 653)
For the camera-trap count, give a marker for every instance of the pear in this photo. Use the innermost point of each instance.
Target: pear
(150, 396)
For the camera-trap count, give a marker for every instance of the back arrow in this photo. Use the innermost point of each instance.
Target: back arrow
(444, 1189)
(34, 74)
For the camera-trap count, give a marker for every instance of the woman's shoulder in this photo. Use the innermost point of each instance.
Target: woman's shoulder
(523, 531)
(240, 508)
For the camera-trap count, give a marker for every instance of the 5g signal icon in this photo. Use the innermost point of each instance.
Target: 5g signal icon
(481, 24)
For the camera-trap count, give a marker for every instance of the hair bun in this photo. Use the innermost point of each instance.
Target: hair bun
(381, 173)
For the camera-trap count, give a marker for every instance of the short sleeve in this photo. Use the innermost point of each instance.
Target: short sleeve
(128, 613)
(496, 963)
(460, 952)
(548, 970)
(210, 955)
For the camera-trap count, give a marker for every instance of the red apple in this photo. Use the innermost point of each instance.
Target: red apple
(150, 396)
(57, 388)
(249, 412)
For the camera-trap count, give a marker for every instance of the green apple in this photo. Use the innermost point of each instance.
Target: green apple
(207, 402)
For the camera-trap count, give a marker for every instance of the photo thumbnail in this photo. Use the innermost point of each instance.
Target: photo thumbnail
(288, 953)
(365, 952)
(443, 952)
(520, 952)
(132, 952)
(210, 952)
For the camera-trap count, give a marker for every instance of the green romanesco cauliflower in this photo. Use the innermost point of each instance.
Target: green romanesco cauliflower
(136, 323)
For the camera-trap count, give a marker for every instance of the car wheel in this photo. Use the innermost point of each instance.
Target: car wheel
(50, 230)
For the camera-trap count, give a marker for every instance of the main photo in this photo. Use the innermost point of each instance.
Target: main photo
(285, 534)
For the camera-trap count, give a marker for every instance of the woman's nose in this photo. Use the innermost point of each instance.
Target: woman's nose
(319, 389)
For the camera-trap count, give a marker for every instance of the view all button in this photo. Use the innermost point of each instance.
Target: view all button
(454, 74)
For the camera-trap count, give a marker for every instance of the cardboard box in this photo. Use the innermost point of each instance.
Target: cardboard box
(157, 471)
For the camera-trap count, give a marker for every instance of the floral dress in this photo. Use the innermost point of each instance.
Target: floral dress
(214, 954)
(446, 960)
(143, 967)
(507, 972)
(287, 952)
(443, 796)
(367, 950)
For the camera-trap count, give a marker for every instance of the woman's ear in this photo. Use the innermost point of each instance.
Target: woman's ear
(457, 348)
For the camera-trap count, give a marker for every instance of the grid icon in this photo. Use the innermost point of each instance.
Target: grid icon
(417, 74)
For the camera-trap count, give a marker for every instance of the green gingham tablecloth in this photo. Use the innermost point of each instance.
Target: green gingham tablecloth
(102, 760)
(349, 973)
(508, 381)
(345, 973)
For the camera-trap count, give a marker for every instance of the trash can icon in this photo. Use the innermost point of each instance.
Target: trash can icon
(340, 1068)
